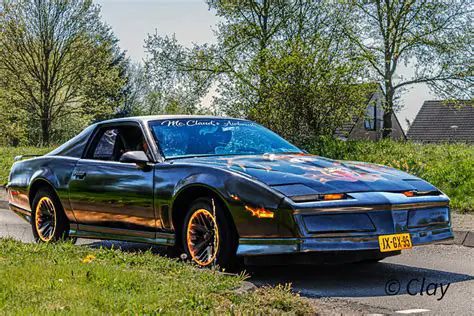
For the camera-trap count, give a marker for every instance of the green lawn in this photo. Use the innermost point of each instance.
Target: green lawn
(49, 279)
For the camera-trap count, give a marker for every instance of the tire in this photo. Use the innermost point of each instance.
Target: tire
(48, 220)
(218, 249)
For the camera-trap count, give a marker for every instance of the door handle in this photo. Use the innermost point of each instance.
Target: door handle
(79, 175)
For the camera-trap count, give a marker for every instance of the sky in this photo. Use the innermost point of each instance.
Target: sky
(193, 22)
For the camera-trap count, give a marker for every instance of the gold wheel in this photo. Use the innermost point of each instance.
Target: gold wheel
(45, 219)
(202, 236)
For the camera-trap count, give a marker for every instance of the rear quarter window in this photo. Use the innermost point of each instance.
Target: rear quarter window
(75, 146)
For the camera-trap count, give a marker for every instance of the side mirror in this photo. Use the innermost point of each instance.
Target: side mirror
(137, 157)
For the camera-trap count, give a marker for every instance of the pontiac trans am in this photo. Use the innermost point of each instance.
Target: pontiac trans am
(220, 189)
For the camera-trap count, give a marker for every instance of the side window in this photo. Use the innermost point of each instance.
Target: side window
(112, 142)
(132, 139)
(105, 149)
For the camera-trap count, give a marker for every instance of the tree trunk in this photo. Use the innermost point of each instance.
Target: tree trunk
(389, 90)
(387, 124)
(262, 61)
(45, 127)
(387, 114)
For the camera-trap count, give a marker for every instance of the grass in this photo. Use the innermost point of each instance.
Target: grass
(63, 278)
(450, 167)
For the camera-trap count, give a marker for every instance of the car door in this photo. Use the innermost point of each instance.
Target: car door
(110, 196)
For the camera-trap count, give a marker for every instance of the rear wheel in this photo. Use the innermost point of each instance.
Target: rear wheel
(48, 220)
(208, 236)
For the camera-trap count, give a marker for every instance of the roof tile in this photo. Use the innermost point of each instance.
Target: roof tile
(435, 120)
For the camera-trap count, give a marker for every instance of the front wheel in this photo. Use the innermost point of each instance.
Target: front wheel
(208, 236)
(48, 220)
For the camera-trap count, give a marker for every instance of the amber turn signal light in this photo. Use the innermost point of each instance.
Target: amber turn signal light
(259, 212)
(332, 197)
(235, 197)
(409, 193)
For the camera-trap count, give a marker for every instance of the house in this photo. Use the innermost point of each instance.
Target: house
(370, 125)
(442, 121)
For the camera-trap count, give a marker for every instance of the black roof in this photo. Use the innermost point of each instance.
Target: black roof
(437, 120)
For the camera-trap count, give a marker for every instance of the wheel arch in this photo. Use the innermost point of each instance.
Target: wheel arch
(36, 185)
(186, 195)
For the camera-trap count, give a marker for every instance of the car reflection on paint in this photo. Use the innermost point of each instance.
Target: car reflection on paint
(220, 188)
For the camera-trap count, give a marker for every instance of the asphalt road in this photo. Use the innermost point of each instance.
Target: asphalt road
(435, 279)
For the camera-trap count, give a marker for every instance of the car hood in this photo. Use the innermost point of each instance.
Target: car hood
(308, 174)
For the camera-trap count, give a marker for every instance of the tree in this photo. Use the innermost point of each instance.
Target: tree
(246, 36)
(303, 79)
(435, 38)
(279, 63)
(60, 64)
(12, 122)
(136, 91)
(311, 92)
(174, 84)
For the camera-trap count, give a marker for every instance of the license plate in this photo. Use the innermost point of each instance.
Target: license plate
(394, 242)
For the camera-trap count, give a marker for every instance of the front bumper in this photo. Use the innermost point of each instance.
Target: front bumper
(345, 226)
(272, 246)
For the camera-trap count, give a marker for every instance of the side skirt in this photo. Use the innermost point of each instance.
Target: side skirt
(164, 239)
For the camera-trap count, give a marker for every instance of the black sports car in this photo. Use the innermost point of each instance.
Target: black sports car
(219, 188)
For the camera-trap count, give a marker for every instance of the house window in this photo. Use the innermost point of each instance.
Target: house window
(379, 118)
(370, 118)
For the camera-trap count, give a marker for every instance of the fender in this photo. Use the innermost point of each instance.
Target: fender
(28, 173)
(231, 187)
(238, 191)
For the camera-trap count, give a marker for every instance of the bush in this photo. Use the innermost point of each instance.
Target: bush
(450, 167)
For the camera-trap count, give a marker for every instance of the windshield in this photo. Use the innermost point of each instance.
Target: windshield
(211, 137)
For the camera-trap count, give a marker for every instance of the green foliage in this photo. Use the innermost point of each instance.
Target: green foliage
(136, 92)
(450, 167)
(50, 279)
(174, 87)
(311, 93)
(285, 65)
(12, 123)
(59, 64)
